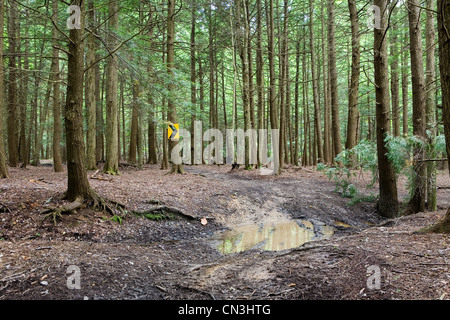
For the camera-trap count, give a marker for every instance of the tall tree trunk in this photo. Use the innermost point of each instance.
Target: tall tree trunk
(388, 203)
(13, 151)
(3, 167)
(417, 201)
(42, 121)
(90, 103)
(99, 143)
(193, 78)
(152, 124)
(134, 124)
(271, 59)
(443, 18)
(282, 86)
(172, 110)
(57, 159)
(327, 152)
(165, 140)
(443, 14)
(112, 113)
(405, 74)
(23, 99)
(395, 92)
(315, 84)
(296, 102)
(242, 41)
(335, 122)
(260, 75)
(213, 121)
(78, 184)
(353, 113)
(431, 106)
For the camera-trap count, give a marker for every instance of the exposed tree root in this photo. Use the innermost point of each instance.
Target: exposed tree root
(176, 169)
(93, 200)
(442, 226)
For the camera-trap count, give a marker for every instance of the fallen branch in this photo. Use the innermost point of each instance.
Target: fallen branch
(4, 208)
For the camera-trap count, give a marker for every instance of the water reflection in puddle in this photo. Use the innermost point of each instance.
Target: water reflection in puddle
(271, 237)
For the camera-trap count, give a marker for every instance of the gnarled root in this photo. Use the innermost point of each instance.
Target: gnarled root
(57, 212)
(92, 200)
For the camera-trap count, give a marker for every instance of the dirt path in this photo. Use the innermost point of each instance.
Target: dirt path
(179, 259)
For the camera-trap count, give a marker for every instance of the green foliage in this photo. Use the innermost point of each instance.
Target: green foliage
(364, 156)
(115, 218)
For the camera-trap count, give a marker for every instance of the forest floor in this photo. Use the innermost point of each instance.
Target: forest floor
(237, 246)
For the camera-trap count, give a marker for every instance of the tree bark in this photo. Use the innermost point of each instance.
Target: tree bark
(134, 124)
(193, 77)
(405, 74)
(91, 163)
(353, 113)
(431, 106)
(13, 151)
(388, 203)
(259, 74)
(315, 83)
(3, 168)
(57, 159)
(417, 202)
(443, 17)
(335, 122)
(395, 92)
(172, 110)
(112, 156)
(78, 184)
(327, 152)
(23, 98)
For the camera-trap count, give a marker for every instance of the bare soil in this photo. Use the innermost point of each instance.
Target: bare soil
(140, 258)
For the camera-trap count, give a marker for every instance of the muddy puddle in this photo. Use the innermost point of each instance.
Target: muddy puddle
(270, 237)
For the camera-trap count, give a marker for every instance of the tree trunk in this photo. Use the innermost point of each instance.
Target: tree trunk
(112, 156)
(23, 99)
(134, 124)
(297, 103)
(78, 184)
(388, 203)
(213, 119)
(91, 163)
(352, 126)
(443, 14)
(99, 140)
(444, 65)
(271, 57)
(417, 202)
(172, 110)
(193, 78)
(42, 122)
(57, 159)
(327, 153)
(315, 83)
(405, 73)
(3, 167)
(13, 151)
(335, 122)
(431, 107)
(395, 92)
(259, 74)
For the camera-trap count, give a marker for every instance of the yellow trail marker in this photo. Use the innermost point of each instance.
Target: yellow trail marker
(173, 131)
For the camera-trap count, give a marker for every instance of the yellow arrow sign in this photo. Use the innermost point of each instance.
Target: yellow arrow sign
(173, 131)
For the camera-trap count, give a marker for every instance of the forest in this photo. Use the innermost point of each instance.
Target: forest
(224, 149)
